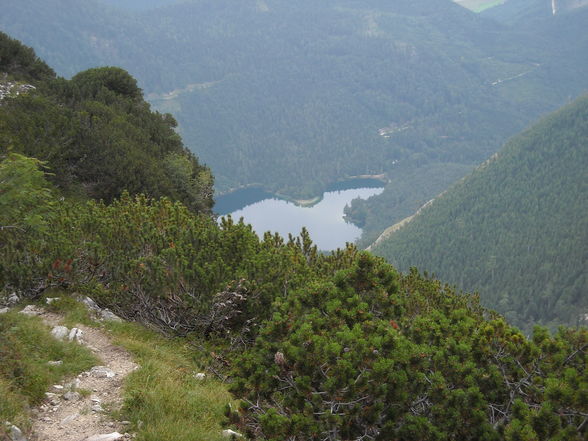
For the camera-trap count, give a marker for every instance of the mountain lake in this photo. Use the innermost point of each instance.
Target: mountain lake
(324, 220)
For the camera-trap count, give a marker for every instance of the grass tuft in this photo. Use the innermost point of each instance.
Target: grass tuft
(73, 312)
(163, 399)
(26, 347)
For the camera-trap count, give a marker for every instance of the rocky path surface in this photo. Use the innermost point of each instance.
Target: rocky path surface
(79, 409)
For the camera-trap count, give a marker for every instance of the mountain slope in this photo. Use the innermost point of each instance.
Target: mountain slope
(517, 228)
(96, 131)
(295, 97)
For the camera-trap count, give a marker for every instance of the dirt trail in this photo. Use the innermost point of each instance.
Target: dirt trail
(83, 416)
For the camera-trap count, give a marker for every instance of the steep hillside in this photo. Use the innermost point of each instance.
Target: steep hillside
(516, 229)
(560, 72)
(95, 131)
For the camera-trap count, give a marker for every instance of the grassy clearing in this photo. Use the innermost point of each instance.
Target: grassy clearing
(163, 400)
(26, 347)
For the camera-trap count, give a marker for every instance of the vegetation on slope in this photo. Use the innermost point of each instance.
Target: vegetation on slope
(516, 229)
(371, 355)
(98, 133)
(317, 347)
(293, 96)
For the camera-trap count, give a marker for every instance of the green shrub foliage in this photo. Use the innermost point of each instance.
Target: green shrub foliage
(99, 135)
(357, 358)
(337, 347)
(17, 60)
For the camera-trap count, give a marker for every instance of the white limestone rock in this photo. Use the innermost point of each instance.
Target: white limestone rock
(14, 433)
(75, 335)
(72, 396)
(60, 332)
(108, 315)
(228, 433)
(31, 310)
(102, 372)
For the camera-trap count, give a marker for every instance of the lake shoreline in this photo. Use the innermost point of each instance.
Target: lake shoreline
(323, 216)
(239, 197)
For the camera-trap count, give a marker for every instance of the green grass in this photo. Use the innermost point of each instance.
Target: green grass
(163, 399)
(73, 312)
(26, 347)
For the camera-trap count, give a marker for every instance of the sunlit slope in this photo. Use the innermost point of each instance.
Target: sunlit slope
(517, 228)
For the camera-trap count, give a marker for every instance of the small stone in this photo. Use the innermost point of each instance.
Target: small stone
(46, 420)
(31, 310)
(50, 300)
(58, 386)
(97, 408)
(105, 437)
(13, 299)
(14, 433)
(200, 376)
(70, 418)
(228, 433)
(75, 335)
(72, 396)
(72, 385)
(102, 372)
(3, 310)
(55, 363)
(90, 304)
(59, 332)
(106, 314)
(125, 423)
(94, 399)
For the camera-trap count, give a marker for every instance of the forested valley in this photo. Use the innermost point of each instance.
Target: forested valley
(294, 97)
(314, 346)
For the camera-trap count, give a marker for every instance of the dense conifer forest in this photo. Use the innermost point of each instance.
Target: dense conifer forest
(516, 229)
(337, 346)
